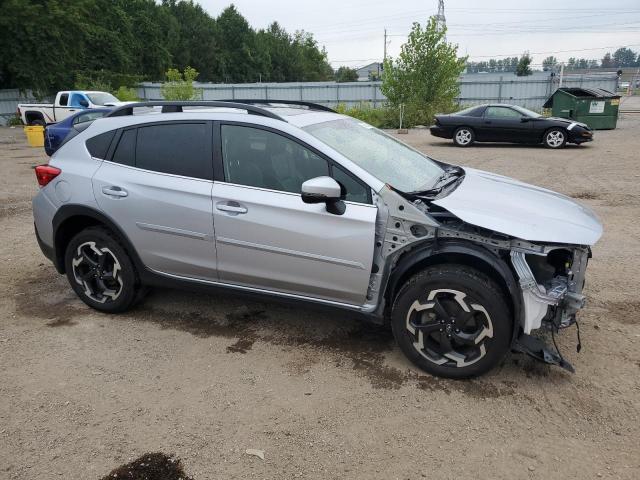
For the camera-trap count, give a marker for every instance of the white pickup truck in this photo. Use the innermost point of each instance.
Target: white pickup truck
(66, 104)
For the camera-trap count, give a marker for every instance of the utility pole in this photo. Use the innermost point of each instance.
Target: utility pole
(385, 45)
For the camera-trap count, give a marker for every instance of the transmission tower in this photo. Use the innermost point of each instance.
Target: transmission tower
(440, 20)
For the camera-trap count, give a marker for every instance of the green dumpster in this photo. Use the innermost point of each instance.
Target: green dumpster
(596, 107)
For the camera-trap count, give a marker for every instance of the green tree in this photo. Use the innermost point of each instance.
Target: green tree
(310, 62)
(238, 60)
(56, 44)
(607, 61)
(151, 44)
(624, 57)
(425, 74)
(277, 46)
(179, 86)
(40, 44)
(346, 74)
(192, 38)
(523, 67)
(549, 62)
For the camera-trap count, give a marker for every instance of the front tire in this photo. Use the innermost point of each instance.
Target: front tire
(452, 321)
(101, 272)
(464, 136)
(555, 138)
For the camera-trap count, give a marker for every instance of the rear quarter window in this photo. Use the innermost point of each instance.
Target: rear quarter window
(98, 146)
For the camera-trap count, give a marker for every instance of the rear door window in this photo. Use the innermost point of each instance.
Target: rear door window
(176, 148)
(64, 98)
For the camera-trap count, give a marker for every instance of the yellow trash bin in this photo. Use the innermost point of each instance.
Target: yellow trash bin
(35, 135)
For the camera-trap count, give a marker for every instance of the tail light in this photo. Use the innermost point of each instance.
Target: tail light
(46, 173)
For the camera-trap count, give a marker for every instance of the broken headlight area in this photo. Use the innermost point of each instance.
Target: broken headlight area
(551, 286)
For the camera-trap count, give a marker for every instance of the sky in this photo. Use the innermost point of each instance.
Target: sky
(353, 30)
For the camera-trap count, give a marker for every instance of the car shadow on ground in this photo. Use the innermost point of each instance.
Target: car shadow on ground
(504, 145)
(324, 336)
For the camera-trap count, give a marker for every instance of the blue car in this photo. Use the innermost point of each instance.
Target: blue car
(55, 133)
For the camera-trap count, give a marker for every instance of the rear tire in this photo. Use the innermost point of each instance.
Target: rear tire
(452, 321)
(555, 138)
(101, 272)
(37, 122)
(464, 136)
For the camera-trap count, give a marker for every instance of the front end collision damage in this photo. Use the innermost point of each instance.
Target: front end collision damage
(410, 231)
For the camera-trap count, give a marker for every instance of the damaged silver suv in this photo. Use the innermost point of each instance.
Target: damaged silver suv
(293, 200)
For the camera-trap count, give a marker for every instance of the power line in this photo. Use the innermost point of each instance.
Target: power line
(497, 55)
(630, 27)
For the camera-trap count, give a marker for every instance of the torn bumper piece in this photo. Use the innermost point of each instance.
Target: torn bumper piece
(536, 348)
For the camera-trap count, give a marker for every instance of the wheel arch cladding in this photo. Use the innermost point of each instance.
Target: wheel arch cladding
(69, 220)
(461, 253)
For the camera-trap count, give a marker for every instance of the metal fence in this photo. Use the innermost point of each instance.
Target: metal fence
(325, 93)
(530, 92)
(9, 100)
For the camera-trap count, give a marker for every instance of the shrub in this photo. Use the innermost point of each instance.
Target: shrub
(388, 116)
(179, 86)
(126, 94)
(14, 121)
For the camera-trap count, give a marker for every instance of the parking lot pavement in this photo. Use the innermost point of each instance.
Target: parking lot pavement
(207, 376)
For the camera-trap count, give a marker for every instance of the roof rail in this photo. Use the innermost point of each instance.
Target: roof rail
(310, 105)
(176, 106)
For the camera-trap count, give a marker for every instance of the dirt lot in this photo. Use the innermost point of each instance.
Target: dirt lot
(205, 377)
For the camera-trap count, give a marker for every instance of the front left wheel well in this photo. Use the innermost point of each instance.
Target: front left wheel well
(504, 280)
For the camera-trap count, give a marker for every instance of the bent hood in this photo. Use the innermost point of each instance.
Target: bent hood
(521, 210)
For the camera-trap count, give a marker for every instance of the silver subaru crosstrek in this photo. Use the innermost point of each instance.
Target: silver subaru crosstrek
(293, 200)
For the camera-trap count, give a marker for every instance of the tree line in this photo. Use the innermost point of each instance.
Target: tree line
(48, 45)
(622, 57)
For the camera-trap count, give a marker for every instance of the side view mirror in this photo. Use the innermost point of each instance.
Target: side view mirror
(524, 119)
(324, 190)
(84, 103)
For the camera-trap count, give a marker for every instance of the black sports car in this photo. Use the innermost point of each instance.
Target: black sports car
(509, 123)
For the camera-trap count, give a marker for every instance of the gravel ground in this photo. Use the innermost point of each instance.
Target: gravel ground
(206, 377)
